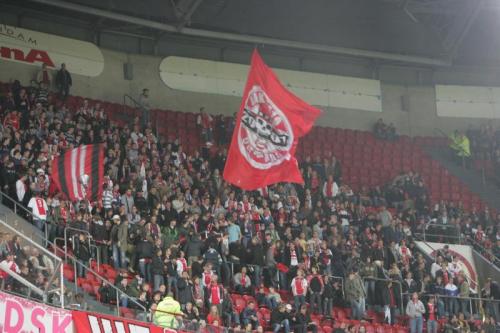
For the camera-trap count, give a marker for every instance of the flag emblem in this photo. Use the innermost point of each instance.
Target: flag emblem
(265, 136)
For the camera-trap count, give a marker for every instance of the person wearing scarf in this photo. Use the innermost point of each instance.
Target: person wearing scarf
(242, 283)
(330, 188)
(299, 289)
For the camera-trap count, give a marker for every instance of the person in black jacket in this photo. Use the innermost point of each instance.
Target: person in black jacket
(229, 316)
(100, 232)
(82, 253)
(63, 82)
(193, 247)
(185, 288)
(144, 250)
(157, 270)
(303, 322)
(279, 319)
(257, 260)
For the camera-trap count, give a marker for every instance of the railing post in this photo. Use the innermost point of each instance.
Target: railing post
(65, 244)
(61, 281)
(118, 303)
(76, 276)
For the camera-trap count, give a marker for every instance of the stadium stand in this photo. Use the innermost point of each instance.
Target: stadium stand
(168, 224)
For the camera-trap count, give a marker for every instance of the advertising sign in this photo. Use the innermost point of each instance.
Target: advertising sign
(21, 315)
(86, 322)
(37, 48)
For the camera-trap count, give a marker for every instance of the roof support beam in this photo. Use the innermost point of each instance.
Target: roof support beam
(461, 26)
(186, 18)
(249, 39)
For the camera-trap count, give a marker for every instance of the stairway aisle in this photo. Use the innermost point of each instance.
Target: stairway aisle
(489, 192)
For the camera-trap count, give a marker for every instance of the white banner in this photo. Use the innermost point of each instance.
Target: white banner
(36, 48)
(462, 252)
(224, 78)
(21, 315)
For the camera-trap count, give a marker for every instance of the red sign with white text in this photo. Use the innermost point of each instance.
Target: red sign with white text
(36, 48)
(21, 315)
(86, 322)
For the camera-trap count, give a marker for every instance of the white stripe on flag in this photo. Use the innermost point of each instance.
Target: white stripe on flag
(81, 171)
(74, 165)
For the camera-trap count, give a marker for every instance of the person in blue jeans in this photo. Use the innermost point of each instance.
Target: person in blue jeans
(279, 319)
(432, 324)
(415, 310)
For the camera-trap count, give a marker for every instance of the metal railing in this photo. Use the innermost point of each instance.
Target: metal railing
(433, 250)
(58, 266)
(89, 270)
(67, 256)
(475, 303)
(446, 228)
(17, 207)
(133, 100)
(392, 281)
(488, 255)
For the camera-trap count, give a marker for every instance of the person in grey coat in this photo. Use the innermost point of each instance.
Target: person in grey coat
(356, 294)
(127, 200)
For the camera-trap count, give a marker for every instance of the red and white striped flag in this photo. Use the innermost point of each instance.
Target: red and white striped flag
(79, 172)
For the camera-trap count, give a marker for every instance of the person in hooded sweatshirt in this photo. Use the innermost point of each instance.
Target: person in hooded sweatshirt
(193, 248)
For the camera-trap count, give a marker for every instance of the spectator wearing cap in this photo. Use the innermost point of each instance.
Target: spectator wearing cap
(119, 237)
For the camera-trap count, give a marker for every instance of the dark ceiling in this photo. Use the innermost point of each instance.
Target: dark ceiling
(464, 32)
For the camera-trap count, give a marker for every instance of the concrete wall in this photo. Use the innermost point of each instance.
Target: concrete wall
(419, 119)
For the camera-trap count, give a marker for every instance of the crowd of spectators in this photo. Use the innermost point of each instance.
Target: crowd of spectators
(168, 219)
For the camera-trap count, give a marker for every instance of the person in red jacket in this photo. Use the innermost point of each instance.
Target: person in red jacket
(12, 120)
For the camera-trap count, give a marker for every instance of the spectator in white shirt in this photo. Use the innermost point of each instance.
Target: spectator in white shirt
(38, 205)
(21, 188)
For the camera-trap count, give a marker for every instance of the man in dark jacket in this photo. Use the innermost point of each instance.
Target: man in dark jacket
(257, 259)
(279, 319)
(303, 322)
(82, 253)
(100, 234)
(144, 250)
(185, 289)
(63, 82)
(193, 248)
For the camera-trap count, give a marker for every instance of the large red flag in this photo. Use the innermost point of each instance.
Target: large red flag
(270, 122)
(79, 172)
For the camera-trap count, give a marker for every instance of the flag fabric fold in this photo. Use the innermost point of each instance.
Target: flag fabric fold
(79, 173)
(268, 126)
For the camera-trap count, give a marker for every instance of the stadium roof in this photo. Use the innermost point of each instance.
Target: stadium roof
(418, 32)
